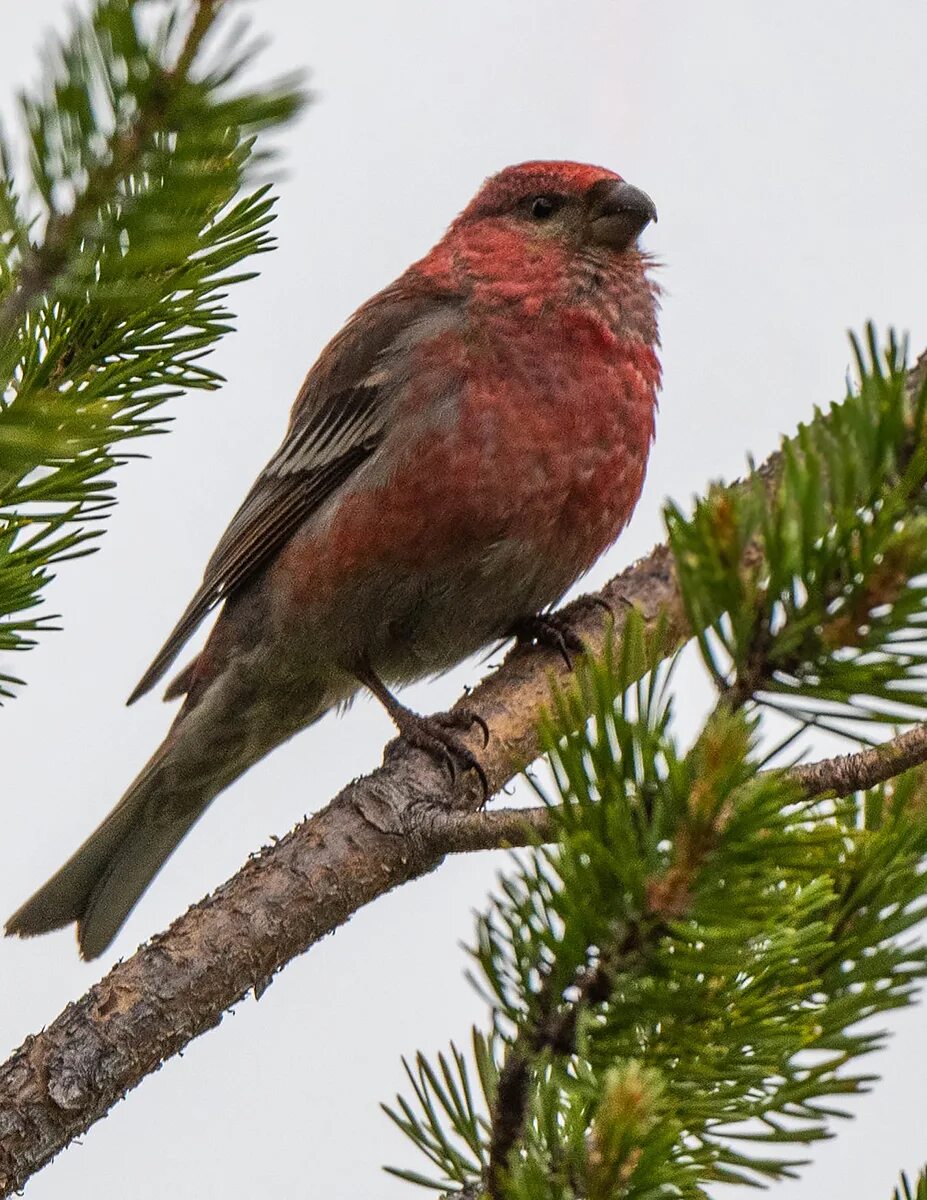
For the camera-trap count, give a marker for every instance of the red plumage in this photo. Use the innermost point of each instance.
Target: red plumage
(460, 453)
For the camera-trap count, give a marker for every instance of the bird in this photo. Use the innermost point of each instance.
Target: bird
(460, 453)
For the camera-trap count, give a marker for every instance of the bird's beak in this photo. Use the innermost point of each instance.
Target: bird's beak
(618, 213)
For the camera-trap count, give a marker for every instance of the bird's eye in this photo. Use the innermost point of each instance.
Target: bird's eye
(542, 207)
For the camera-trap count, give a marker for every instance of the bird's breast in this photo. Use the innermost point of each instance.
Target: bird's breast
(542, 440)
(566, 420)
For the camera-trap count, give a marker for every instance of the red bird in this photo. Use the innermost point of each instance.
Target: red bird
(461, 452)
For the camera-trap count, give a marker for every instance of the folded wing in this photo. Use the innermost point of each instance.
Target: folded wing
(338, 421)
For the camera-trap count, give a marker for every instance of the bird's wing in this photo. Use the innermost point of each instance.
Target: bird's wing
(337, 422)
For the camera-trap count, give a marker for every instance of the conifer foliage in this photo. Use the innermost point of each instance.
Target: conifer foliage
(117, 247)
(684, 985)
(907, 1191)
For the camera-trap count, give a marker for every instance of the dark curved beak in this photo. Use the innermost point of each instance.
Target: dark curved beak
(618, 213)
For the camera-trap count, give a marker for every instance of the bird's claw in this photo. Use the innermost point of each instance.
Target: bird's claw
(437, 736)
(466, 718)
(550, 630)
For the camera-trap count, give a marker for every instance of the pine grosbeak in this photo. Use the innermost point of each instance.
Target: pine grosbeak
(461, 452)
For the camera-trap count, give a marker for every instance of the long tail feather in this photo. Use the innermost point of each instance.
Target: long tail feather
(101, 882)
(212, 741)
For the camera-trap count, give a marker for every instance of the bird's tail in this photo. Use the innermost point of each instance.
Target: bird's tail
(207, 748)
(101, 882)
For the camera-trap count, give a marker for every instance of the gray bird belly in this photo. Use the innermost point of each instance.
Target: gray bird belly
(409, 623)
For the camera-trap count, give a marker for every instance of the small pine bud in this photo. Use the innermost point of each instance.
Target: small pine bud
(627, 1111)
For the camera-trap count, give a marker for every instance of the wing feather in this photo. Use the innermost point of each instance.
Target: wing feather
(338, 421)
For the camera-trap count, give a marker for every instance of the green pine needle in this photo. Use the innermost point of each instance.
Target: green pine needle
(812, 599)
(142, 147)
(711, 947)
(907, 1191)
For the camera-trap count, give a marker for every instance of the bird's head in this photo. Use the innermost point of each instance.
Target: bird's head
(571, 204)
(542, 234)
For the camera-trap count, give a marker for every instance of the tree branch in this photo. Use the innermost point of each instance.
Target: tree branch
(553, 1031)
(512, 828)
(43, 263)
(849, 773)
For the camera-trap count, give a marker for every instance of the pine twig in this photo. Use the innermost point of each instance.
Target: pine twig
(44, 262)
(848, 773)
(553, 1032)
(513, 828)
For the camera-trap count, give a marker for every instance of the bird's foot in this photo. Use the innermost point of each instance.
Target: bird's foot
(550, 630)
(438, 735)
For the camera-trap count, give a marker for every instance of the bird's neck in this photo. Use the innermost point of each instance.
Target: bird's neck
(496, 270)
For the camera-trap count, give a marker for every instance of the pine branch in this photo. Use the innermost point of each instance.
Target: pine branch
(140, 151)
(381, 831)
(552, 1032)
(44, 262)
(378, 833)
(660, 977)
(842, 775)
(784, 919)
(848, 773)
(908, 1191)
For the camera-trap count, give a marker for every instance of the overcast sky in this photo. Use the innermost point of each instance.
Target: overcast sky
(784, 147)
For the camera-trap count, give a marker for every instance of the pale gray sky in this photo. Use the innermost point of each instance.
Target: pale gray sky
(784, 147)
